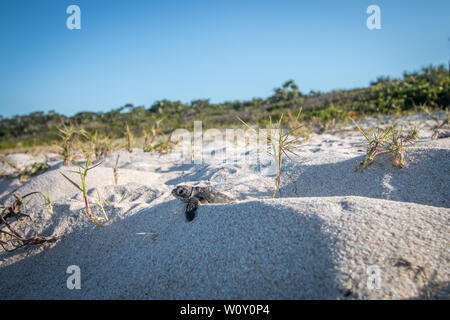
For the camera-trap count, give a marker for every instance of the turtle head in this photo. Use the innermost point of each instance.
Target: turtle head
(182, 192)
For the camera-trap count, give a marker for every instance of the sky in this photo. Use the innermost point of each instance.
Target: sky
(142, 51)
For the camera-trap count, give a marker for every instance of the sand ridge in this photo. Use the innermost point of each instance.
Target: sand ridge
(317, 240)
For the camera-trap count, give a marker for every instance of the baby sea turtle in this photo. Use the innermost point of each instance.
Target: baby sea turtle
(194, 196)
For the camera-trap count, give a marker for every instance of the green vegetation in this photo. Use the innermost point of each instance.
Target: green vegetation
(281, 144)
(297, 126)
(97, 146)
(47, 200)
(82, 172)
(163, 147)
(390, 140)
(430, 87)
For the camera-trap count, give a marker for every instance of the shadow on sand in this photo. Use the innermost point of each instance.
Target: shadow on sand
(265, 253)
(424, 180)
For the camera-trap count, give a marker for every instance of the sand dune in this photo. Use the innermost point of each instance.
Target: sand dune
(330, 228)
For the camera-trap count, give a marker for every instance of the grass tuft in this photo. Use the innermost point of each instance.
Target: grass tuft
(440, 124)
(280, 144)
(68, 135)
(384, 141)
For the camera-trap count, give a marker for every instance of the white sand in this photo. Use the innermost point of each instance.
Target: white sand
(317, 240)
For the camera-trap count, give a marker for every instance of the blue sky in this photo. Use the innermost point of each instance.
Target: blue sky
(142, 51)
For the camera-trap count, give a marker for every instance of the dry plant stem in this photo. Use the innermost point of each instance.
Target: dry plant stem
(163, 147)
(399, 159)
(98, 147)
(280, 144)
(155, 130)
(100, 204)
(13, 238)
(148, 143)
(129, 139)
(145, 141)
(376, 139)
(439, 125)
(115, 171)
(278, 181)
(15, 167)
(67, 155)
(295, 125)
(399, 142)
(68, 135)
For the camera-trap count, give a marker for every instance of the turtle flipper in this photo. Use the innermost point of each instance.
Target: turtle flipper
(191, 208)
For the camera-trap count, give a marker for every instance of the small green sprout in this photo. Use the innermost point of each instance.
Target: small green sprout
(47, 200)
(83, 171)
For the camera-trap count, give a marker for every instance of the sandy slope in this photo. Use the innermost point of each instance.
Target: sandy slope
(318, 240)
